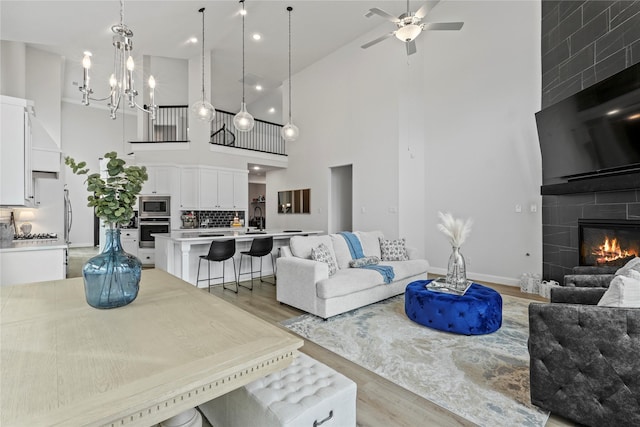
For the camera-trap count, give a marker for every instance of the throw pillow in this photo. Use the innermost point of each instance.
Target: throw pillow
(323, 254)
(361, 262)
(629, 268)
(622, 292)
(393, 250)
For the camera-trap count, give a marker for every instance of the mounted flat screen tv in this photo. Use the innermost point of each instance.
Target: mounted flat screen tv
(595, 132)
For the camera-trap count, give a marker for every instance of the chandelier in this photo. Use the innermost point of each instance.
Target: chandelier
(121, 80)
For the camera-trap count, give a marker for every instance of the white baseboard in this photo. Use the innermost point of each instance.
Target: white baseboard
(500, 280)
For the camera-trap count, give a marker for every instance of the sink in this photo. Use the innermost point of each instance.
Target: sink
(255, 232)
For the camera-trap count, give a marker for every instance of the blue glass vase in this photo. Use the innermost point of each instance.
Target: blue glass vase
(112, 278)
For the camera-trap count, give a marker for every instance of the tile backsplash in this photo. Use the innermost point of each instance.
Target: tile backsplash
(215, 219)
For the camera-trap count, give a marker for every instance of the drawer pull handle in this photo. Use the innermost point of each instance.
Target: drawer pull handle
(317, 423)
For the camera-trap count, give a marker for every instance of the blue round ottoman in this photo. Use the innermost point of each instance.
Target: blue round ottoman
(477, 312)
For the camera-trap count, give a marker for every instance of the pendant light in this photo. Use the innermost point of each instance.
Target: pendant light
(290, 131)
(202, 109)
(243, 121)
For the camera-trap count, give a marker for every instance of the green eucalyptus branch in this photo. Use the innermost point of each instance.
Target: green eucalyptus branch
(114, 197)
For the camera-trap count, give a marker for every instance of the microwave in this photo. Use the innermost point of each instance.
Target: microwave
(154, 206)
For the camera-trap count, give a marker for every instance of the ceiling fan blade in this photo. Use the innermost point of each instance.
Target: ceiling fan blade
(378, 40)
(411, 47)
(380, 12)
(443, 25)
(426, 8)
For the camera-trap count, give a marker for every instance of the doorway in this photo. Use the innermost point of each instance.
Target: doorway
(341, 199)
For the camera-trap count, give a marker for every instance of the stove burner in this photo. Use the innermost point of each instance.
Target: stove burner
(38, 236)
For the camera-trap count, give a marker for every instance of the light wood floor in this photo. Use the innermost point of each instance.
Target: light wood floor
(380, 402)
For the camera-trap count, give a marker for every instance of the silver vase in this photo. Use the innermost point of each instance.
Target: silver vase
(456, 270)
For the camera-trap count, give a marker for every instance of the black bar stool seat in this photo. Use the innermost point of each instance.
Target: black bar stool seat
(260, 247)
(219, 251)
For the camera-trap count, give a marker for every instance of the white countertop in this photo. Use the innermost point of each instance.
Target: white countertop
(209, 234)
(34, 245)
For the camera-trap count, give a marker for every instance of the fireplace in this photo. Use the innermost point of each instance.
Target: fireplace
(608, 242)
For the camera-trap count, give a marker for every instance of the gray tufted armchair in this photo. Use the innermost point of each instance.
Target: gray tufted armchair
(585, 359)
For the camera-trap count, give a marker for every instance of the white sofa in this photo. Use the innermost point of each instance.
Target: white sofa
(305, 284)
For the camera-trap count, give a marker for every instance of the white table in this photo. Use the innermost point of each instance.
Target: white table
(173, 348)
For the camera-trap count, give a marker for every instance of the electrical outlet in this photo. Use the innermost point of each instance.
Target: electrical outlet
(533, 208)
(518, 208)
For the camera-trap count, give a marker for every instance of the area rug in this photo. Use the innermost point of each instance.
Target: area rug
(483, 378)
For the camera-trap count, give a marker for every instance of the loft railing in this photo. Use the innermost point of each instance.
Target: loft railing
(264, 137)
(172, 125)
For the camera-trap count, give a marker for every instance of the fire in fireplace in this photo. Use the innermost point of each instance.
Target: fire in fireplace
(608, 242)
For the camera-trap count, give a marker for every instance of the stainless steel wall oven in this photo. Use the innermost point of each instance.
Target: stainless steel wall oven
(149, 226)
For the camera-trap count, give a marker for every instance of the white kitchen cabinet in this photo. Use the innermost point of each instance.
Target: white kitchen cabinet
(32, 262)
(129, 240)
(189, 188)
(147, 256)
(162, 180)
(225, 190)
(208, 183)
(16, 181)
(241, 190)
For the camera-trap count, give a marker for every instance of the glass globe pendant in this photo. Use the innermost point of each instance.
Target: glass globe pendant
(290, 132)
(203, 110)
(243, 121)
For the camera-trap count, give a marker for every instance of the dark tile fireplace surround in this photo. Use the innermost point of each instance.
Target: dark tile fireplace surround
(602, 212)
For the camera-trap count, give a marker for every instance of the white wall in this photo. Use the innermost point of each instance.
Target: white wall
(450, 128)
(12, 68)
(87, 134)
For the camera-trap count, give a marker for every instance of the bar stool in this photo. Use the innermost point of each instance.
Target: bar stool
(260, 247)
(219, 251)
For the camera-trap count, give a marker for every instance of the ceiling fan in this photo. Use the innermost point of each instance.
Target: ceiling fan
(410, 25)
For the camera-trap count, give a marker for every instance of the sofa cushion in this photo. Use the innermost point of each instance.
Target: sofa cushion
(393, 250)
(350, 280)
(323, 254)
(623, 292)
(370, 241)
(341, 250)
(630, 269)
(301, 245)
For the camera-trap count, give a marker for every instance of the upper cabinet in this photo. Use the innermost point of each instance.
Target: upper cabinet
(162, 180)
(206, 188)
(16, 181)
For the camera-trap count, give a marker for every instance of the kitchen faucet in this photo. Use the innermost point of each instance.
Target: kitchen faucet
(260, 225)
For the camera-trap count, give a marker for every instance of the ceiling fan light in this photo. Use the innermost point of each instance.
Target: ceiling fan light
(243, 121)
(408, 32)
(203, 110)
(290, 132)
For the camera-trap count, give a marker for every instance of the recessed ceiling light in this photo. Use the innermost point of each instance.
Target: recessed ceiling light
(258, 87)
(612, 112)
(256, 36)
(272, 110)
(256, 168)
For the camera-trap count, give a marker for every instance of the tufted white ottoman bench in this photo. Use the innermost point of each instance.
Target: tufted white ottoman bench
(305, 394)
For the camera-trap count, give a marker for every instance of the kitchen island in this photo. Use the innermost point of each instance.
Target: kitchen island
(178, 252)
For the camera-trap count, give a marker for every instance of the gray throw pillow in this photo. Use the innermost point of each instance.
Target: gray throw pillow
(323, 254)
(393, 250)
